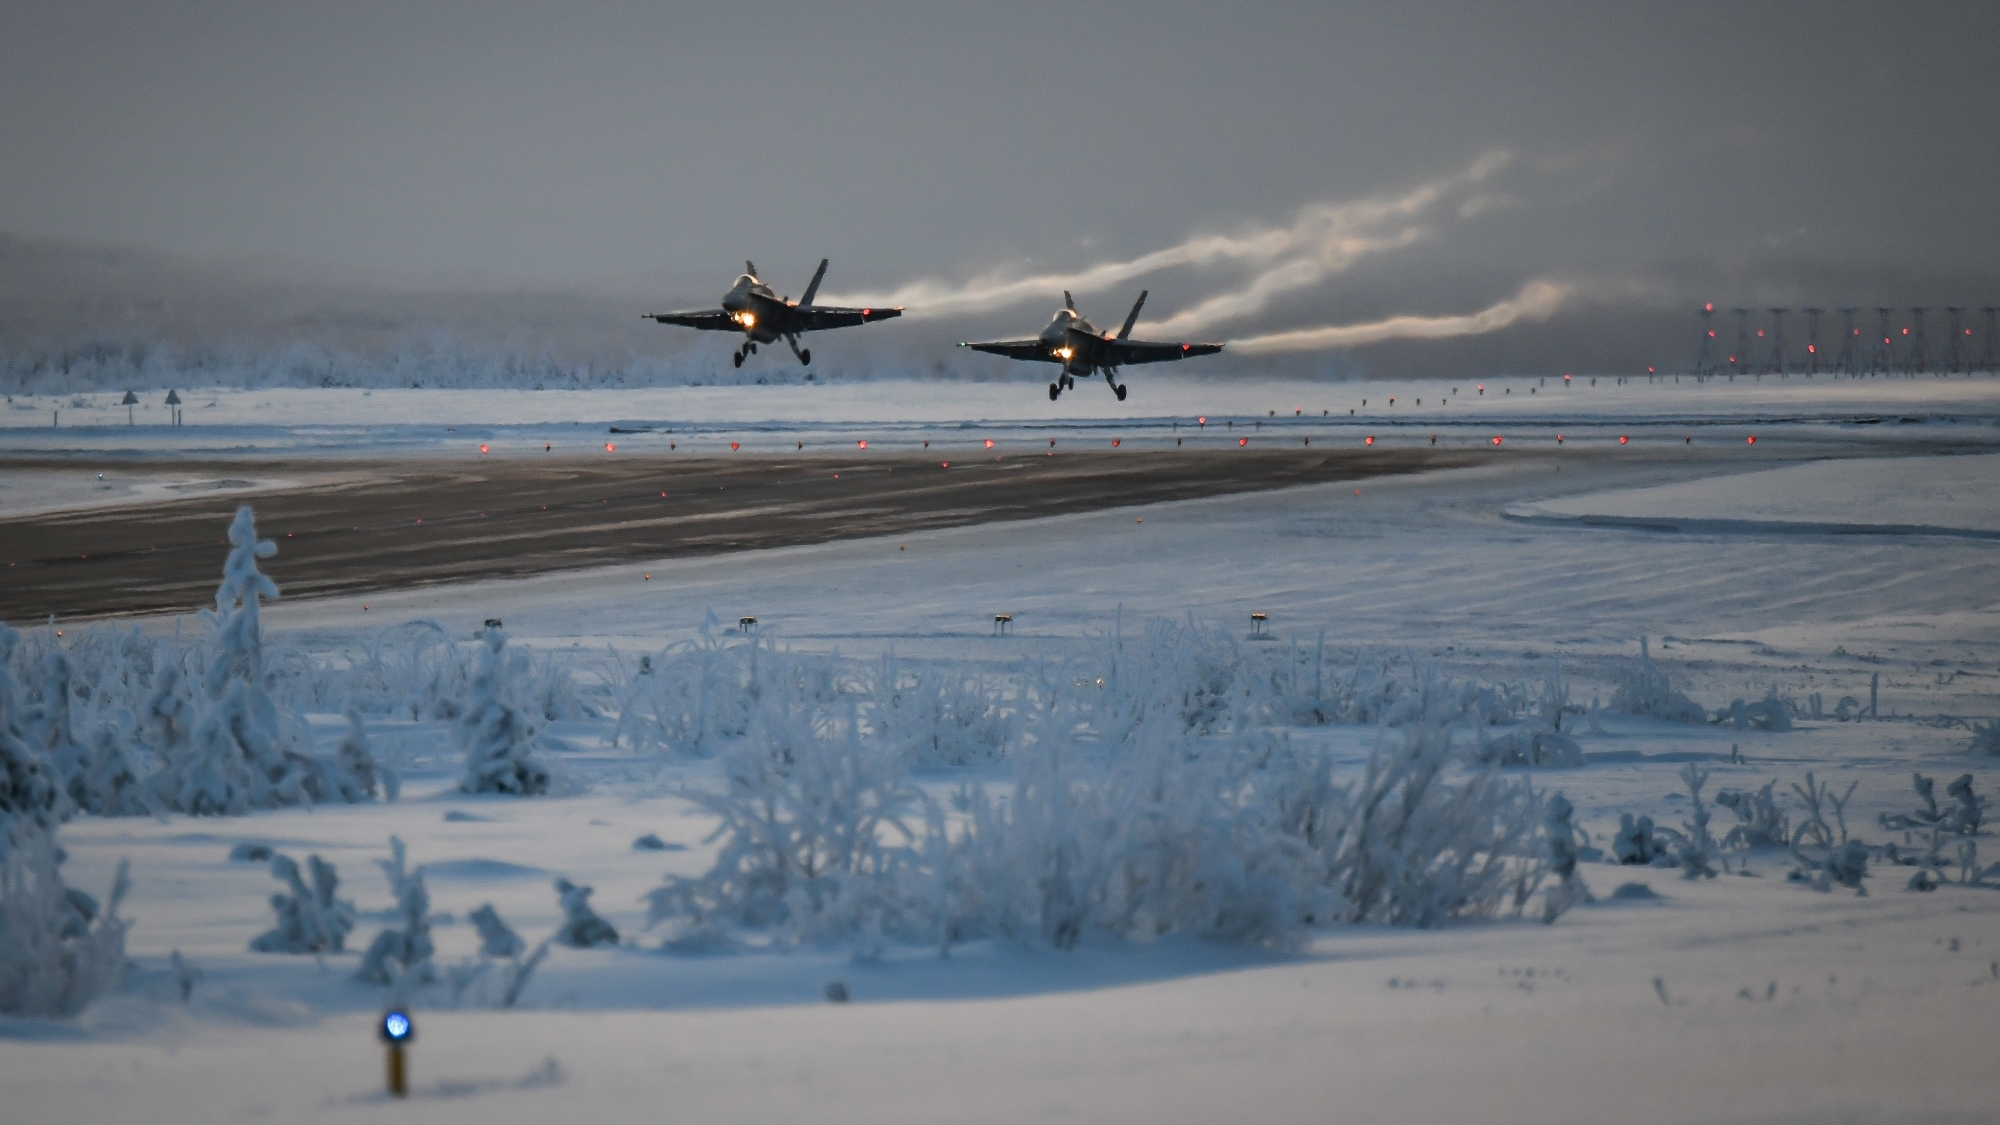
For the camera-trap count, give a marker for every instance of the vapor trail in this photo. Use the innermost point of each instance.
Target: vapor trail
(1537, 300)
(1322, 239)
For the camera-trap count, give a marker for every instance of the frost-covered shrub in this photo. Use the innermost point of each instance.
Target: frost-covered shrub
(1962, 818)
(581, 928)
(404, 955)
(29, 796)
(1695, 847)
(802, 815)
(499, 741)
(1819, 857)
(1644, 689)
(58, 949)
(1759, 821)
(697, 699)
(1187, 671)
(1769, 713)
(310, 919)
(1985, 737)
(938, 715)
(496, 938)
(1561, 832)
(1529, 746)
(1635, 842)
(1242, 837)
(353, 774)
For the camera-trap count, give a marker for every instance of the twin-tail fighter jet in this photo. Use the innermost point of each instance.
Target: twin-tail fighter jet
(750, 307)
(1076, 344)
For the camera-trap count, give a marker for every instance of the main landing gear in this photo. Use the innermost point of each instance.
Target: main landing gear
(805, 357)
(1117, 387)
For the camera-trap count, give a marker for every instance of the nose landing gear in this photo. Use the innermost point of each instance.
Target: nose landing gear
(1055, 391)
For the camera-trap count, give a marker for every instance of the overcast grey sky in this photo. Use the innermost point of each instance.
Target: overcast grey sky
(1660, 153)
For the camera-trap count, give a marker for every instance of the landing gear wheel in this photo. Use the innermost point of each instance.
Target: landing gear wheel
(806, 358)
(1054, 391)
(1068, 382)
(750, 348)
(737, 358)
(1120, 388)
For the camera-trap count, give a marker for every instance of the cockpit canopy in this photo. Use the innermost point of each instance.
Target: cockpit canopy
(1066, 319)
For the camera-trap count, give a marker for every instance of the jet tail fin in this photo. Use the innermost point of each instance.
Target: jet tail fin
(750, 267)
(1068, 301)
(806, 301)
(1132, 317)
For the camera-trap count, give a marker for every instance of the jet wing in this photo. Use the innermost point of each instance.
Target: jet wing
(818, 317)
(711, 320)
(1015, 349)
(1123, 352)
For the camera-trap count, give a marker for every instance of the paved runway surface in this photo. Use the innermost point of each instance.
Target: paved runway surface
(418, 522)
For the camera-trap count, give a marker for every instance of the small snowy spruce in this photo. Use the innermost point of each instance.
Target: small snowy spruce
(499, 741)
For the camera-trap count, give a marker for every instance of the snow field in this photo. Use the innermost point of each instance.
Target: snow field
(1774, 1001)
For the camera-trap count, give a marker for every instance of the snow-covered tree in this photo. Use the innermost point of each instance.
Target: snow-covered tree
(237, 756)
(29, 796)
(499, 741)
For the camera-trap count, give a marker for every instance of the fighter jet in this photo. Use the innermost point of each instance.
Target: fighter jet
(1076, 344)
(750, 307)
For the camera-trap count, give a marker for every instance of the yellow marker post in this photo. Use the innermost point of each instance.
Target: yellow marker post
(397, 1030)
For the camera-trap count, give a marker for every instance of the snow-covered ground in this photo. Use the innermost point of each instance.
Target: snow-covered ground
(1742, 998)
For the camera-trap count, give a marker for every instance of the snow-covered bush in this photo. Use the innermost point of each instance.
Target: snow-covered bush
(698, 698)
(1635, 842)
(1769, 713)
(1819, 857)
(499, 741)
(1962, 818)
(58, 949)
(1644, 689)
(1560, 830)
(1187, 671)
(1759, 821)
(1695, 847)
(399, 956)
(1529, 746)
(1241, 836)
(496, 938)
(30, 797)
(938, 715)
(802, 816)
(310, 919)
(581, 928)
(1985, 737)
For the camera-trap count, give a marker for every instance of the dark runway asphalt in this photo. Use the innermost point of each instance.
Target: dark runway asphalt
(419, 522)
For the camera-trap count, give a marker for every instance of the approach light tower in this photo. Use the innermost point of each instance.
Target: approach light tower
(1955, 355)
(1812, 342)
(1778, 364)
(1880, 358)
(1850, 363)
(1919, 360)
(1705, 359)
(1740, 362)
